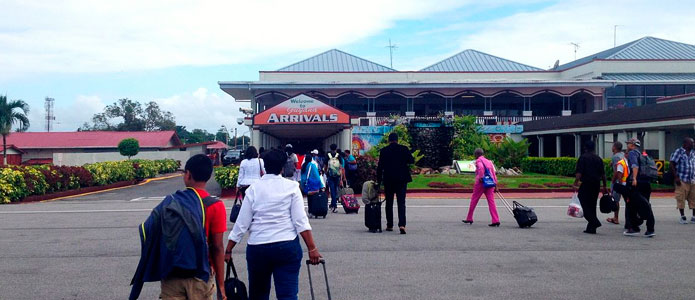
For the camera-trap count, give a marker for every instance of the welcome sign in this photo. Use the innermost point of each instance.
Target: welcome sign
(301, 109)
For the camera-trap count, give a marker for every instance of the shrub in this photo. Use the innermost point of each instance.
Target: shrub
(34, 180)
(111, 171)
(12, 186)
(444, 185)
(145, 168)
(168, 165)
(559, 166)
(227, 176)
(129, 147)
(467, 136)
(366, 170)
(403, 139)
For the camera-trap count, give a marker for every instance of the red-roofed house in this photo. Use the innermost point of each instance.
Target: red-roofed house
(78, 148)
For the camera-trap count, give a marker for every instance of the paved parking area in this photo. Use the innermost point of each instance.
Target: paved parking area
(87, 248)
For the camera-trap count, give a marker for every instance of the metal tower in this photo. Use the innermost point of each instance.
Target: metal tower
(50, 117)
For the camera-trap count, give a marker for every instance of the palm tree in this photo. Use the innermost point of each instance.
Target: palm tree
(13, 112)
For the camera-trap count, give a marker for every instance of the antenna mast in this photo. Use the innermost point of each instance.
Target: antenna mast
(50, 117)
(391, 48)
(576, 46)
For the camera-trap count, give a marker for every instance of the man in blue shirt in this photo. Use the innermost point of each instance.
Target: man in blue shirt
(637, 208)
(683, 170)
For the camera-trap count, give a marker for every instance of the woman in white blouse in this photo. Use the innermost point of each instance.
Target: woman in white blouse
(273, 214)
(250, 170)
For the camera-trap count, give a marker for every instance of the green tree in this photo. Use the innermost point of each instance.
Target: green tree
(13, 112)
(403, 139)
(468, 136)
(221, 135)
(510, 153)
(132, 117)
(129, 147)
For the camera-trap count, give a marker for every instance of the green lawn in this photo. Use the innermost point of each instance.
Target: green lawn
(527, 180)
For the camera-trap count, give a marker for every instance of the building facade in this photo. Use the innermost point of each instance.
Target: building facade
(496, 90)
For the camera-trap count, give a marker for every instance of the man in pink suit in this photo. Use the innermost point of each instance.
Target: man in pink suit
(482, 163)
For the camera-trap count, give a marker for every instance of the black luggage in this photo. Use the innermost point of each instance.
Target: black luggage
(607, 204)
(372, 216)
(234, 288)
(325, 276)
(524, 215)
(318, 204)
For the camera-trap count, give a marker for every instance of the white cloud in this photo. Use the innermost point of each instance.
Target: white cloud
(539, 38)
(67, 117)
(205, 110)
(103, 36)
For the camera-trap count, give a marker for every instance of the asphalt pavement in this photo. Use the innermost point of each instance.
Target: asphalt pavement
(87, 248)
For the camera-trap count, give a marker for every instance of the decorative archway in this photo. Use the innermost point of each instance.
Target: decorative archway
(429, 104)
(468, 103)
(390, 104)
(546, 104)
(508, 104)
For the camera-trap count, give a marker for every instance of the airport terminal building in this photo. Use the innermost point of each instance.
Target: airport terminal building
(336, 97)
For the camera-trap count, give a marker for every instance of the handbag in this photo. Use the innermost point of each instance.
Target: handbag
(236, 208)
(607, 204)
(575, 207)
(487, 180)
(234, 288)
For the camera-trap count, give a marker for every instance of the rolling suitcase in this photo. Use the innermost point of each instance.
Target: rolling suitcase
(349, 201)
(318, 204)
(372, 216)
(524, 215)
(325, 276)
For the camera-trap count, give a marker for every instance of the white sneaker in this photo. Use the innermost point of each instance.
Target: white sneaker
(684, 220)
(692, 220)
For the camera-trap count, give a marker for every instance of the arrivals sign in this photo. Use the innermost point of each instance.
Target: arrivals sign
(301, 109)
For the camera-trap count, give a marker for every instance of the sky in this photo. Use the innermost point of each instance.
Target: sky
(89, 53)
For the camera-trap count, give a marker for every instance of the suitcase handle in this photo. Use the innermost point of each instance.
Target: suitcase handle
(506, 203)
(325, 275)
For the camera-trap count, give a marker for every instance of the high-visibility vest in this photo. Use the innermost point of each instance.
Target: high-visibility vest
(626, 172)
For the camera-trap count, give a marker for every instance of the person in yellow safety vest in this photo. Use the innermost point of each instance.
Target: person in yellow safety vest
(620, 175)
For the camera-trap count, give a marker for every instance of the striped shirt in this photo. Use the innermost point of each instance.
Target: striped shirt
(684, 164)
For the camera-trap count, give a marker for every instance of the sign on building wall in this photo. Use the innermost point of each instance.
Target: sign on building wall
(301, 109)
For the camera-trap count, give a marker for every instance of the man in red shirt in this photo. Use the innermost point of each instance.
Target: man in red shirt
(198, 171)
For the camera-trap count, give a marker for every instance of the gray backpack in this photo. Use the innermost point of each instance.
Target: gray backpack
(370, 192)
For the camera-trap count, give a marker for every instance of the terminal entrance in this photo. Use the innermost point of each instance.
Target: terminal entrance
(304, 122)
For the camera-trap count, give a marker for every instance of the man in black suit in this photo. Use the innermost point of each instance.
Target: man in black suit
(394, 172)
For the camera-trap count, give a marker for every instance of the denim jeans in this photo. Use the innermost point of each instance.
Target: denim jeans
(334, 185)
(282, 261)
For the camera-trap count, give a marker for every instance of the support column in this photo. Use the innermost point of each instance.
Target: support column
(577, 145)
(346, 139)
(602, 145)
(558, 145)
(662, 144)
(541, 146)
(256, 138)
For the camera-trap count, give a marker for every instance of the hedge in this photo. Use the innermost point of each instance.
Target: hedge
(558, 166)
(18, 182)
(227, 177)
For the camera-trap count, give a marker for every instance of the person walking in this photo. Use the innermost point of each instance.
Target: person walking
(290, 167)
(393, 170)
(683, 170)
(273, 214)
(335, 175)
(590, 172)
(633, 159)
(350, 167)
(620, 173)
(169, 224)
(483, 167)
(250, 170)
(311, 179)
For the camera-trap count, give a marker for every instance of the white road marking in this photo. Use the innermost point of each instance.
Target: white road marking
(146, 199)
(72, 211)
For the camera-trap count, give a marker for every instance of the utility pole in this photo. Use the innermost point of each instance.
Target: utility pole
(576, 46)
(235, 139)
(391, 48)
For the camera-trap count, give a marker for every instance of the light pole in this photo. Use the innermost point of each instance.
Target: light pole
(243, 140)
(226, 134)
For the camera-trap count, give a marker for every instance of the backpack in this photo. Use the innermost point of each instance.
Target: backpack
(333, 165)
(370, 192)
(649, 172)
(289, 169)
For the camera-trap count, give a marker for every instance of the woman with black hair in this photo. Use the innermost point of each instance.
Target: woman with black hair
(273, 214)
(311, 179)
(250, 170)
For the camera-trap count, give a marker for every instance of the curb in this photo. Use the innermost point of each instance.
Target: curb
(105, 189)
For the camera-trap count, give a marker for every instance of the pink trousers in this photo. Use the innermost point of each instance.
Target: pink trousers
(478, 191)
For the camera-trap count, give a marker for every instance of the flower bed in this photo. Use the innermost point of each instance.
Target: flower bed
(227, 177)
(19, 182)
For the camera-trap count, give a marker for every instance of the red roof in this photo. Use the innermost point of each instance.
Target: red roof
(218, 145)
(91, 139)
